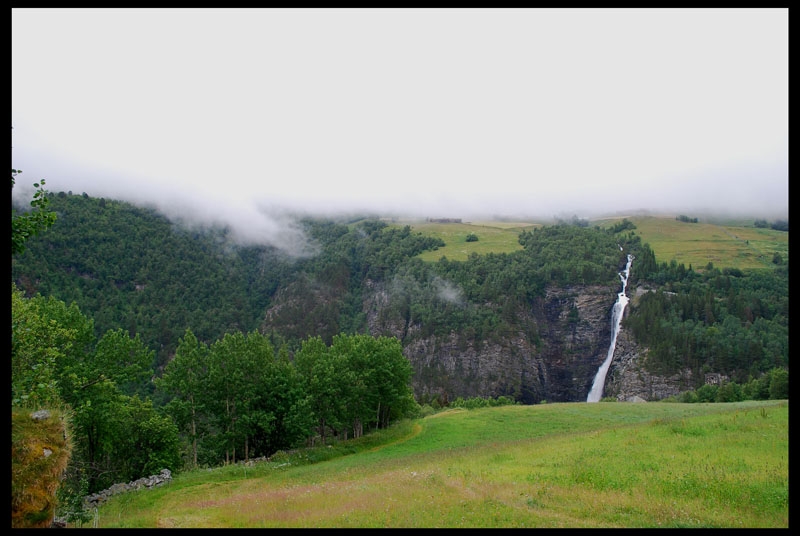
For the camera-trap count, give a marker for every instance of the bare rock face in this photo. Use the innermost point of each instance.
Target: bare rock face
(552, 353)
(627, 378)
(380, 318)
(576, 331)
(450, 367)
(306, 307)
(558, 364)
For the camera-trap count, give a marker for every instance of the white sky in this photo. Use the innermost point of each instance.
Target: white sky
(467, 113)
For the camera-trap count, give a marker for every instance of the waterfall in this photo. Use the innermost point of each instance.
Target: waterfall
(596, 393)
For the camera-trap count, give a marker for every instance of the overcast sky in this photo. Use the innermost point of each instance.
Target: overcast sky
(234, 114)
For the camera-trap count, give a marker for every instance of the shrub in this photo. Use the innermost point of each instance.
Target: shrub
(426, 411)
(778, 384)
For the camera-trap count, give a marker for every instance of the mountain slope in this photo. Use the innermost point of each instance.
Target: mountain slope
(533, 323)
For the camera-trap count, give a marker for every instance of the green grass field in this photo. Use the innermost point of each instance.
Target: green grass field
(609, 464)
(726, 246)
(736, 244)
(493, 237)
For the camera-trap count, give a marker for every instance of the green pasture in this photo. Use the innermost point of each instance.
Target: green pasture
(726, 246)
(600, 465)
(735, 245)
(493, 237)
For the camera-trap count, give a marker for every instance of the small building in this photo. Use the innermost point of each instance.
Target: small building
(444, 220)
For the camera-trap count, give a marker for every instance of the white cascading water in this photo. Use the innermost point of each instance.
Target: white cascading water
(596, 393)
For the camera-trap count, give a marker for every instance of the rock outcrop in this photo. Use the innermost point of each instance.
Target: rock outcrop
(627, 379)
(558, 364)
(551, 353)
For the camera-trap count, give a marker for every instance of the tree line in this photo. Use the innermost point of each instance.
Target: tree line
(235, 399)
(778, 225)
(240, 398)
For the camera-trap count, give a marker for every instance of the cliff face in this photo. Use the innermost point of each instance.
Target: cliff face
(573, 327)
(627, 378)
(576, 331)
(552, 353)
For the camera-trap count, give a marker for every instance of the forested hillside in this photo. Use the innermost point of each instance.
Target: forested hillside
(128, 267)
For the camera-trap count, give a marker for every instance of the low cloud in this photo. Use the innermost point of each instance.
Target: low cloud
(448, 291)
(446, 125)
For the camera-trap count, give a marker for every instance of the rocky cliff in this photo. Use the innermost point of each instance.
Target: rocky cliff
(552, 353)
(627, 378)
(573, 333)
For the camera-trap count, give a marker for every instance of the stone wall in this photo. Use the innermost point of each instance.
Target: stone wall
(92, 501)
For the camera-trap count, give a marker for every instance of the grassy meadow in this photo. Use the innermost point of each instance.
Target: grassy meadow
(608, 464)
(725, 245)
(734, 244)
(493, 237)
